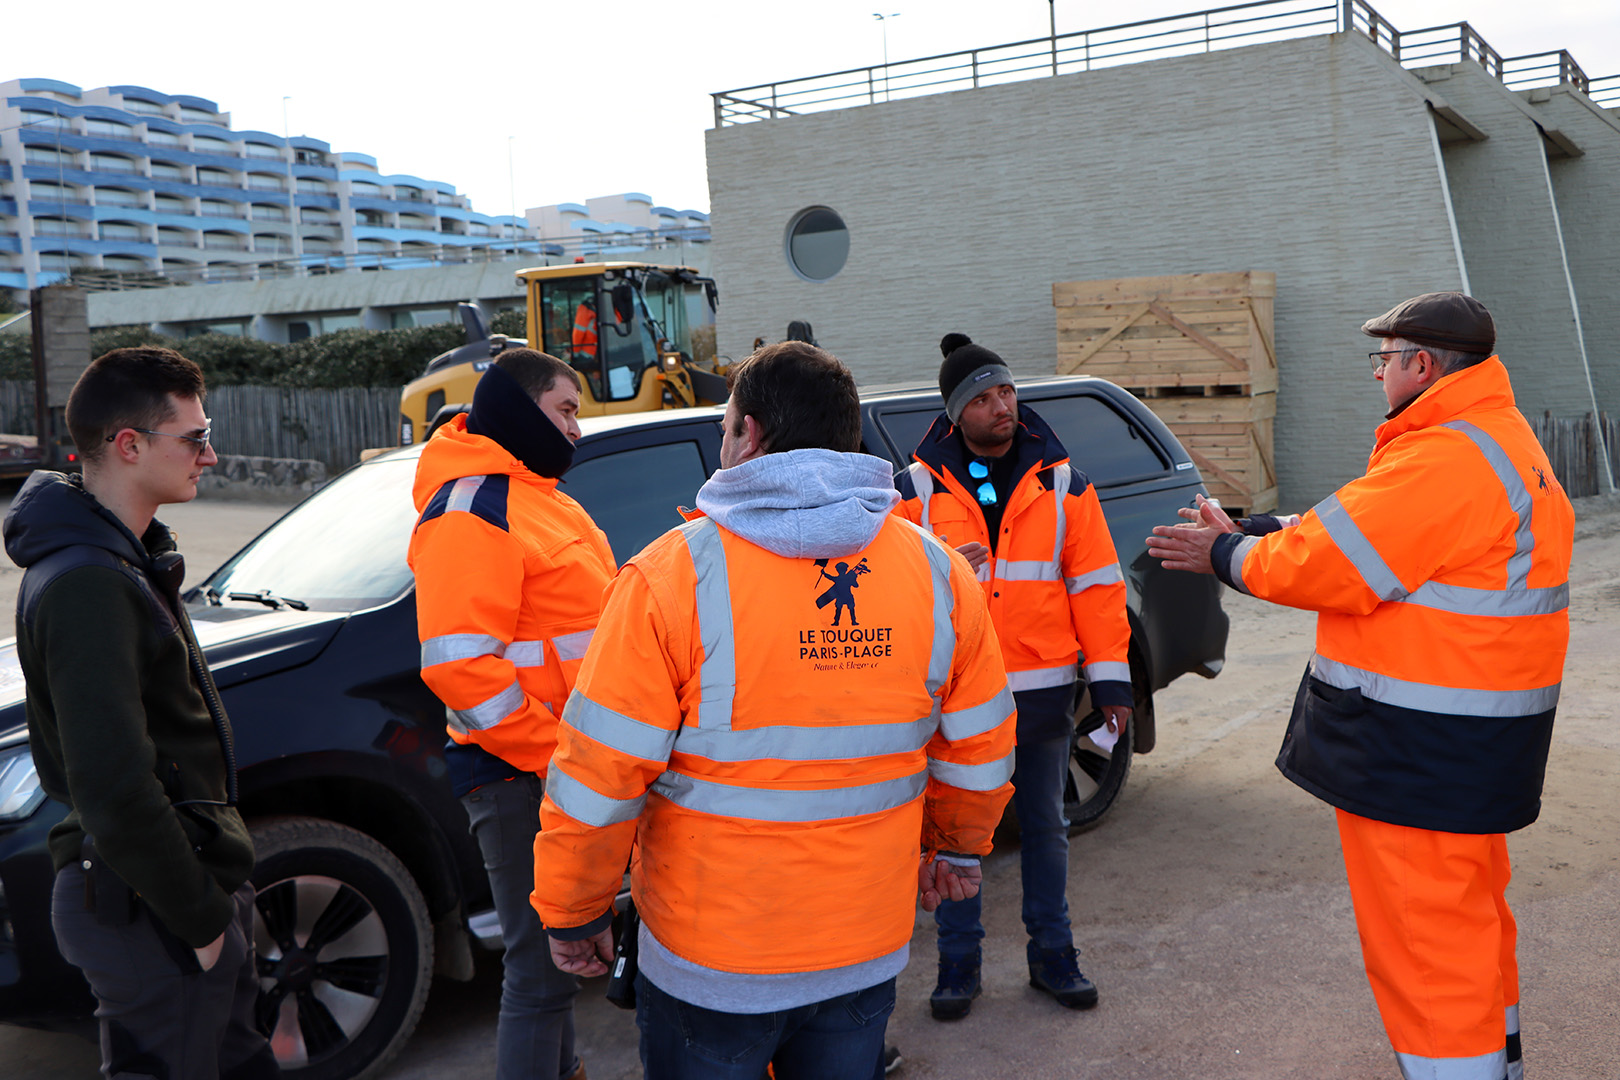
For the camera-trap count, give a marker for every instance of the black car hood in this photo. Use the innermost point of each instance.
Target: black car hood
(238, 643)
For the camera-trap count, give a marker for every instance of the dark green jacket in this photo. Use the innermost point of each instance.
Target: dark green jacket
(118, 711)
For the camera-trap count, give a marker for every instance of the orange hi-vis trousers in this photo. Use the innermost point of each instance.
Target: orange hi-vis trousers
(1438, 941)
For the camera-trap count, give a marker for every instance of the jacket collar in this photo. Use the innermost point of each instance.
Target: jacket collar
(454, 452)
(1481, 387)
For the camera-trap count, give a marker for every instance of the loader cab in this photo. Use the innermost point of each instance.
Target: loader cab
(618, 324)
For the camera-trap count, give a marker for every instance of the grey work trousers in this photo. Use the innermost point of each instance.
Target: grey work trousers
(534, 1037)
(160, 1014)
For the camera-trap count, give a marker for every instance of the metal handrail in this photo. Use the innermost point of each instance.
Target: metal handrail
(1134, 42)
(1604, 91)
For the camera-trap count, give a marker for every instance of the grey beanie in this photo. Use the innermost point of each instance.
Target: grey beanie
(968, 371)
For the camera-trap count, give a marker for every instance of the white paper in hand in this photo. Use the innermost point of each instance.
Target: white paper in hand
(1104, 738)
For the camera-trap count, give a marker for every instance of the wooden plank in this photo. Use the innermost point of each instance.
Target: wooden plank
(1214, 411)
(1240, 283)
(1164, 314)
(1067, 365)
(1205, 465)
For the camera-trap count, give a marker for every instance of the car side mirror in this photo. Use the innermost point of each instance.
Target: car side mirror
(624, 308)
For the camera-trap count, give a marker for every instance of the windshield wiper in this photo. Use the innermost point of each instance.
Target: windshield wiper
(211, 595)
(270, 599)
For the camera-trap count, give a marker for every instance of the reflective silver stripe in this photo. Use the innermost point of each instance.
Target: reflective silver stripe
(1496, 602)
(527, 653)
(461, 495)
(1518, 496)
(1105, 575)
(923, 481)
(623, 733)
(1041, 678)
(486, 714)
(786, 743)
(789, 804)
(1347, 536)
(587, 806)
(1511, 1015)
(718, 678)
(1234, 564)
(1060, 487)
(1492, 1066)
(1107, 671)
(1438, 699)
(943, 652)
(957, 724)
(1026, 570)
(986, 777)
(572, 646)
(448, 647)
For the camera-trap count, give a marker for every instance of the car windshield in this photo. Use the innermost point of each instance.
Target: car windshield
(341, 549)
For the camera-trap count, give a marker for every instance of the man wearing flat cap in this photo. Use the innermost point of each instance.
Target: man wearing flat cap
(1441, 582)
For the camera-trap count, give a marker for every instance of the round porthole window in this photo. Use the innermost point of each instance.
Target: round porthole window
(817, 243)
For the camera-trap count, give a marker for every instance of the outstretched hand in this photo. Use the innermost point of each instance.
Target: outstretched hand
(938, 880)
(1187, 547)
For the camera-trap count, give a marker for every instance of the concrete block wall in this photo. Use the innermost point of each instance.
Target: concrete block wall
(1588, 191)
(1509, 226)
(1312, 158)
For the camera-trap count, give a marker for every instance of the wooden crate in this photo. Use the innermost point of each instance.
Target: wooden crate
(1182, 330)
(1229, 439)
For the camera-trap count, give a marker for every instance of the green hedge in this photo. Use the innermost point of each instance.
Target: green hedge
(328, 362)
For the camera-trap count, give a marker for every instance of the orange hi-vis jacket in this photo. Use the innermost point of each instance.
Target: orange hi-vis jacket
(510, 574)
(1441, 579)
(1054, 586)
(584, 337)
(778, 776)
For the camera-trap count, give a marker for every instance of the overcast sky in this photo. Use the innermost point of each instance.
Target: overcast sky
(590, 98)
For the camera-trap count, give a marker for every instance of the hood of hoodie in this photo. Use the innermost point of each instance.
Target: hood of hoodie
(53, 511)
(454, 452)
(803, 504)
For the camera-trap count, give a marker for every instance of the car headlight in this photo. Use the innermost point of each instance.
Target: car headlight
(20, 793)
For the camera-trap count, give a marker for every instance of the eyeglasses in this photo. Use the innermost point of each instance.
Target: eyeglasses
(198, 442)
(987, 491)
(1381, 359)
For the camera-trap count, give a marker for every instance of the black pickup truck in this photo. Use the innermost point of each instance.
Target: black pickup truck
(340, 742)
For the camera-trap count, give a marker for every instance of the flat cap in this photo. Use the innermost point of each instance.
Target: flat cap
(1446, 320)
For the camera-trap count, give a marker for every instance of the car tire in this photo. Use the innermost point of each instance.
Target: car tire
(1096, 776)
(343, 1010)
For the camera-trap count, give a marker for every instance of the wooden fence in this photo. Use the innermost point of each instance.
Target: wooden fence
(330, 426)
(1573, 448)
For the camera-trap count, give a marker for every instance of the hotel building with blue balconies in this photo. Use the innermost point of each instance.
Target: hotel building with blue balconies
(123, 178)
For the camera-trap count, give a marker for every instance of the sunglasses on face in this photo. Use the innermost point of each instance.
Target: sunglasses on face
(199, 443)
(986, 492)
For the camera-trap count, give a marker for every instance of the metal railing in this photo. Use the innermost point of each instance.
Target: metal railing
(531, 252)
(1129, 43)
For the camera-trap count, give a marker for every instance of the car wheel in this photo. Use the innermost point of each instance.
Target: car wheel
(1096, 777)
(345, 949)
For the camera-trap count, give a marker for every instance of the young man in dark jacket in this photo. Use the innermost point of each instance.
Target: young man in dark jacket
(152, 900)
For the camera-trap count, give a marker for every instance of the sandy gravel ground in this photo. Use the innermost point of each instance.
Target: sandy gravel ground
(1211, 908)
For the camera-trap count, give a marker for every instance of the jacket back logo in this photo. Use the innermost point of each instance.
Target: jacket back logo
(845, 648)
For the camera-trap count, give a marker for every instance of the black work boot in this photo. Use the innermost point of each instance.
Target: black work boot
(1057, 972)
(958, 986)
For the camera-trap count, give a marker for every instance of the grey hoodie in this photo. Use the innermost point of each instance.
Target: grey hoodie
(803, 504)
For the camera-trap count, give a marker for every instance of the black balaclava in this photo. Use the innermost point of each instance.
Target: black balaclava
(504, 412)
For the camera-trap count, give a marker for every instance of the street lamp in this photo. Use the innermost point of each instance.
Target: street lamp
(1051, 6)
(883, 21)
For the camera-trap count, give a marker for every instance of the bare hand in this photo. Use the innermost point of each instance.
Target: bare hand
(1187, 547)
(975, 553)
(587, 958)
(208, 955)
(1116, 717)
(938, 880)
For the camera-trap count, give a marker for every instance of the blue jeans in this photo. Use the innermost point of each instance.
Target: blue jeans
(837, 1039)
(1039, 770)
(534, 1036)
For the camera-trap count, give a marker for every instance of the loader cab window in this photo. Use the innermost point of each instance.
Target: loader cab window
(580, 324)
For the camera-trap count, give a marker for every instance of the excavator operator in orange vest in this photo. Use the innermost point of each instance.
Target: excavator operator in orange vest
(1441, 579)
(788, 787)
(584, 337)
(509, 579)
(991, 479)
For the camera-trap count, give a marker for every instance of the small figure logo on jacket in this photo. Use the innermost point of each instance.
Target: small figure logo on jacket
(841, 593)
